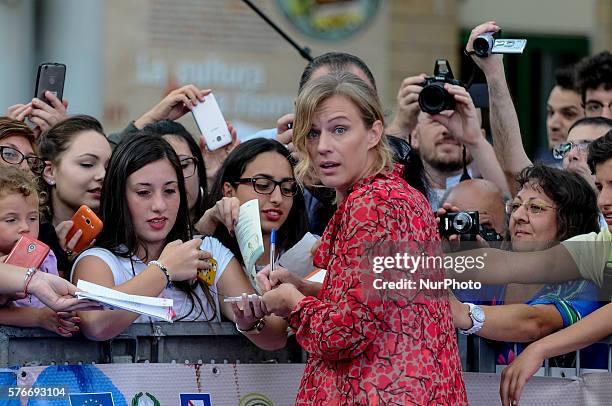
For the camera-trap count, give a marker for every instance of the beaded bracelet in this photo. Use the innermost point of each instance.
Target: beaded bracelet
(163, 268)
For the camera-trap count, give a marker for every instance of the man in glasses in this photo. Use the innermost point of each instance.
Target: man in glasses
(17, 146)
(595, 79)
(574, 151)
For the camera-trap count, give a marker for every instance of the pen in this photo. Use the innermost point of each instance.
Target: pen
(272, 249)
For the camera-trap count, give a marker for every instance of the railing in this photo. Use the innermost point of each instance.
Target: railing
(191, 342)
(194, 342)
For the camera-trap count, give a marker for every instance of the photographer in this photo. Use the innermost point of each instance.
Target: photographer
(551, 205)
(441, 138)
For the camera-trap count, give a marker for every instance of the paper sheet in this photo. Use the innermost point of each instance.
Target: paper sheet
(160, 308)
(298, 259)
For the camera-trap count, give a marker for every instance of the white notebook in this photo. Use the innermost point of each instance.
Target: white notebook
(157, 307)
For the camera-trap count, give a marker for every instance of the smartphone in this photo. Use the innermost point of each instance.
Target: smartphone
(28, 253)
(211, 123)
(50, 77)
(86, 221)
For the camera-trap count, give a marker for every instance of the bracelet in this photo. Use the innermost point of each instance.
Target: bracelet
(163, 268)
(256, 329)
(28, 278)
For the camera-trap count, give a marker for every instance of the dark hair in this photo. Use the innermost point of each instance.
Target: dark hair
(56, 140)
(576, 201)
(232, 169)
(600, 151)
(594, 121)
(118, 235)
(172, 128)
(414, 171)
(594, 71)
(565, 78)
(335, 62)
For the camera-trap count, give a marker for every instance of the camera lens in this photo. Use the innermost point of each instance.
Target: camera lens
(483, 44)
(462, 222)
(434, 98)
(218, 138)
(88, 221)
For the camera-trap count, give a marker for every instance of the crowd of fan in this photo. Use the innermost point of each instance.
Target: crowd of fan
(133, 180)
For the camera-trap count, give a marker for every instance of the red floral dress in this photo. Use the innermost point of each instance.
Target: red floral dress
(365, 349)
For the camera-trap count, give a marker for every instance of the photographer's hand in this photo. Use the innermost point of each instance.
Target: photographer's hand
(463, 122)
(492, 64)
(407, 107)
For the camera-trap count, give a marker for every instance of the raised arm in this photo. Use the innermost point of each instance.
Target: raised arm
(504, 121)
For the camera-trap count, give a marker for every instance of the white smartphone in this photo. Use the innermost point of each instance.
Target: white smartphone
(211, 123)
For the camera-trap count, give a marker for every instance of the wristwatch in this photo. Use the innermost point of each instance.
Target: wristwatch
(478, 318)
(256, 329)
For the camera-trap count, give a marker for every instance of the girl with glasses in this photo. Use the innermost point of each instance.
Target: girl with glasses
(259, 169)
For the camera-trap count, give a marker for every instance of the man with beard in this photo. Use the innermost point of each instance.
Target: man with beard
(447, 149)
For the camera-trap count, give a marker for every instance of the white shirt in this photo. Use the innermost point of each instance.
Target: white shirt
(124, 269)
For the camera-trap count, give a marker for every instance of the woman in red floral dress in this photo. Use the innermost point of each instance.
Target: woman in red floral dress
(366, 346)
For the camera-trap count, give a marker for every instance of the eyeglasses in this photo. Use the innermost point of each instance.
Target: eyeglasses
(594, 108)
(266, 186)
(531, 206)
(560, 150)
(188, 165)
(14, 157)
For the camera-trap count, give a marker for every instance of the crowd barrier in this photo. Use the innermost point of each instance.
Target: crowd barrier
(156, 364)
(247, 385)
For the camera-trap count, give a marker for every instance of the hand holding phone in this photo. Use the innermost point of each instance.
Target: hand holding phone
(89, 224)
(211, 123)
(28, 252)
(50, 77)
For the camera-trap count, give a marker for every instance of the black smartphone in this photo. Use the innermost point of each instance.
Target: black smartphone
(50, 77)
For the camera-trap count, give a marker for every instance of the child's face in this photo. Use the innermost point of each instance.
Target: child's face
(18, 216)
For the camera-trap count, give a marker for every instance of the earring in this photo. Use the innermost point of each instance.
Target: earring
(51, 182)
(201, 192)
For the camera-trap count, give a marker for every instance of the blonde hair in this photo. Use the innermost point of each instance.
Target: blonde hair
(362, 95)
(14, 181)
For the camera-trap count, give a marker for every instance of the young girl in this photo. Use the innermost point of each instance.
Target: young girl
(145, 215)
(19, 215)
(259, 169)
(76, 152)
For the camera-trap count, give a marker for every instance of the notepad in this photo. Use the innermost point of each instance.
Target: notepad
(157, 307)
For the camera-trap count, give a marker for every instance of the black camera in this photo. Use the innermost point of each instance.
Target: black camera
(464, 223)
(467, 225)
(434, 98)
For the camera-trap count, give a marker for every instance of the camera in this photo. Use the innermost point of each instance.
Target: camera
(489, 43)
(467, 225)
(464, 223)
(434, 98)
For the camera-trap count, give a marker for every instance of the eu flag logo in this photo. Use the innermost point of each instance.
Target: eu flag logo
(91, 399)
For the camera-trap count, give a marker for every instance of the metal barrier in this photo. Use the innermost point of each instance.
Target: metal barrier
(191, 342)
